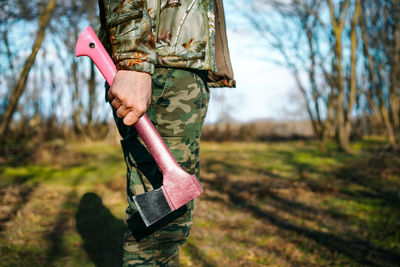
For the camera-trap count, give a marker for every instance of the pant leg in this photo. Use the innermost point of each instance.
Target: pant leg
(179, 104)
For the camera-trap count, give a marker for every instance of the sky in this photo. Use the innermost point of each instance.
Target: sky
(263, 88)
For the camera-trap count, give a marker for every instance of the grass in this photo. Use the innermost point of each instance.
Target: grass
(265, 204)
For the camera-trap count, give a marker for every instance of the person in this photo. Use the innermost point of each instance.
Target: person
(168, 53)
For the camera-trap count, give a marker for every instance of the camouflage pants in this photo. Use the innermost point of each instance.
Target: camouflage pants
(179, 104)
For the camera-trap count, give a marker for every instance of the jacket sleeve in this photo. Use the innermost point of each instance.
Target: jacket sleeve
(128, 26)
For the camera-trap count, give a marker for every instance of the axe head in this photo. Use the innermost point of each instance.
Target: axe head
(178, 189)
(152, 206)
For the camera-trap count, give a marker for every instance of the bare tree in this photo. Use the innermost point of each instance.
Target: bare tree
(381, 48)
(298, 37)
(68, 87)
(345, 97)
(327, 78)
(43, 18)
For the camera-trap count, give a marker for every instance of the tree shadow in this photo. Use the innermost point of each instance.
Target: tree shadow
(101, 232)
(20, 195)
(56, 235)
(368, 175)
(360, 250)
(235, 168)
(198, 255)
(247, 195)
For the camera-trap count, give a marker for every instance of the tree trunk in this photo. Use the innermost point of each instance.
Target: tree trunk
(77, 104)
(353, 75)
(380, 109)
(340, 119)
(17, 91)
(337, 30)
(394, 80)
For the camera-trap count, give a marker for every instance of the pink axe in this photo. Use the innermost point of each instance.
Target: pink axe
(178, 187)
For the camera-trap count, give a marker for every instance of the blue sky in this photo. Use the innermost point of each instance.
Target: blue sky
(263, 88)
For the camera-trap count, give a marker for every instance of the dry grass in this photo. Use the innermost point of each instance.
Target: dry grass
(280, 204)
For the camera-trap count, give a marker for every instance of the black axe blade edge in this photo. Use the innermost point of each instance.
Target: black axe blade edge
(152, 206)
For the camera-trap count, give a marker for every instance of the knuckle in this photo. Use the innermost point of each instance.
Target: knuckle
(128, 103)
(116, 93)
(113, 90)
(122, 97)
(116, 105)
(119, 113)
(141, 108)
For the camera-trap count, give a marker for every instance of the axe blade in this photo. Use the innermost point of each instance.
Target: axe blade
(152, 206)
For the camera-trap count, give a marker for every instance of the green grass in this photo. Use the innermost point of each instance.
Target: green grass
(265, 204)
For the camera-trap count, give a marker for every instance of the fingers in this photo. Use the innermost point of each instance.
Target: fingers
(131, 118)
(130, 95)
(122, 111)
(115, 103)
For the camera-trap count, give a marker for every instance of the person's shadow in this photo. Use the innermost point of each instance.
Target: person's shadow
(101, 232)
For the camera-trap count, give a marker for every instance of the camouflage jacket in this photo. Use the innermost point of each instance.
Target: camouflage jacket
(143, 34)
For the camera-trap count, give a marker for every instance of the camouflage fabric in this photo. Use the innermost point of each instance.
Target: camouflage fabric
(179, 104)
(143, 34)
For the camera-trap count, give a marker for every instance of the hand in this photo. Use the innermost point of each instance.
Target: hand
(130, 95)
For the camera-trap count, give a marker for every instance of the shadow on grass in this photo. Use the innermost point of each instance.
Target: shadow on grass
(235, 168)
(359, 245)
(56, 235)
(198, 255)
(101, 232)
(370, 176)
(361, 251)
(17, 197)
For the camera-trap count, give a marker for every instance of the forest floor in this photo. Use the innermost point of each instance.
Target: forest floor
(265, 204)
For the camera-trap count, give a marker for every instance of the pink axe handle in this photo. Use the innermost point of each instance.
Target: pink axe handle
(89, 45)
